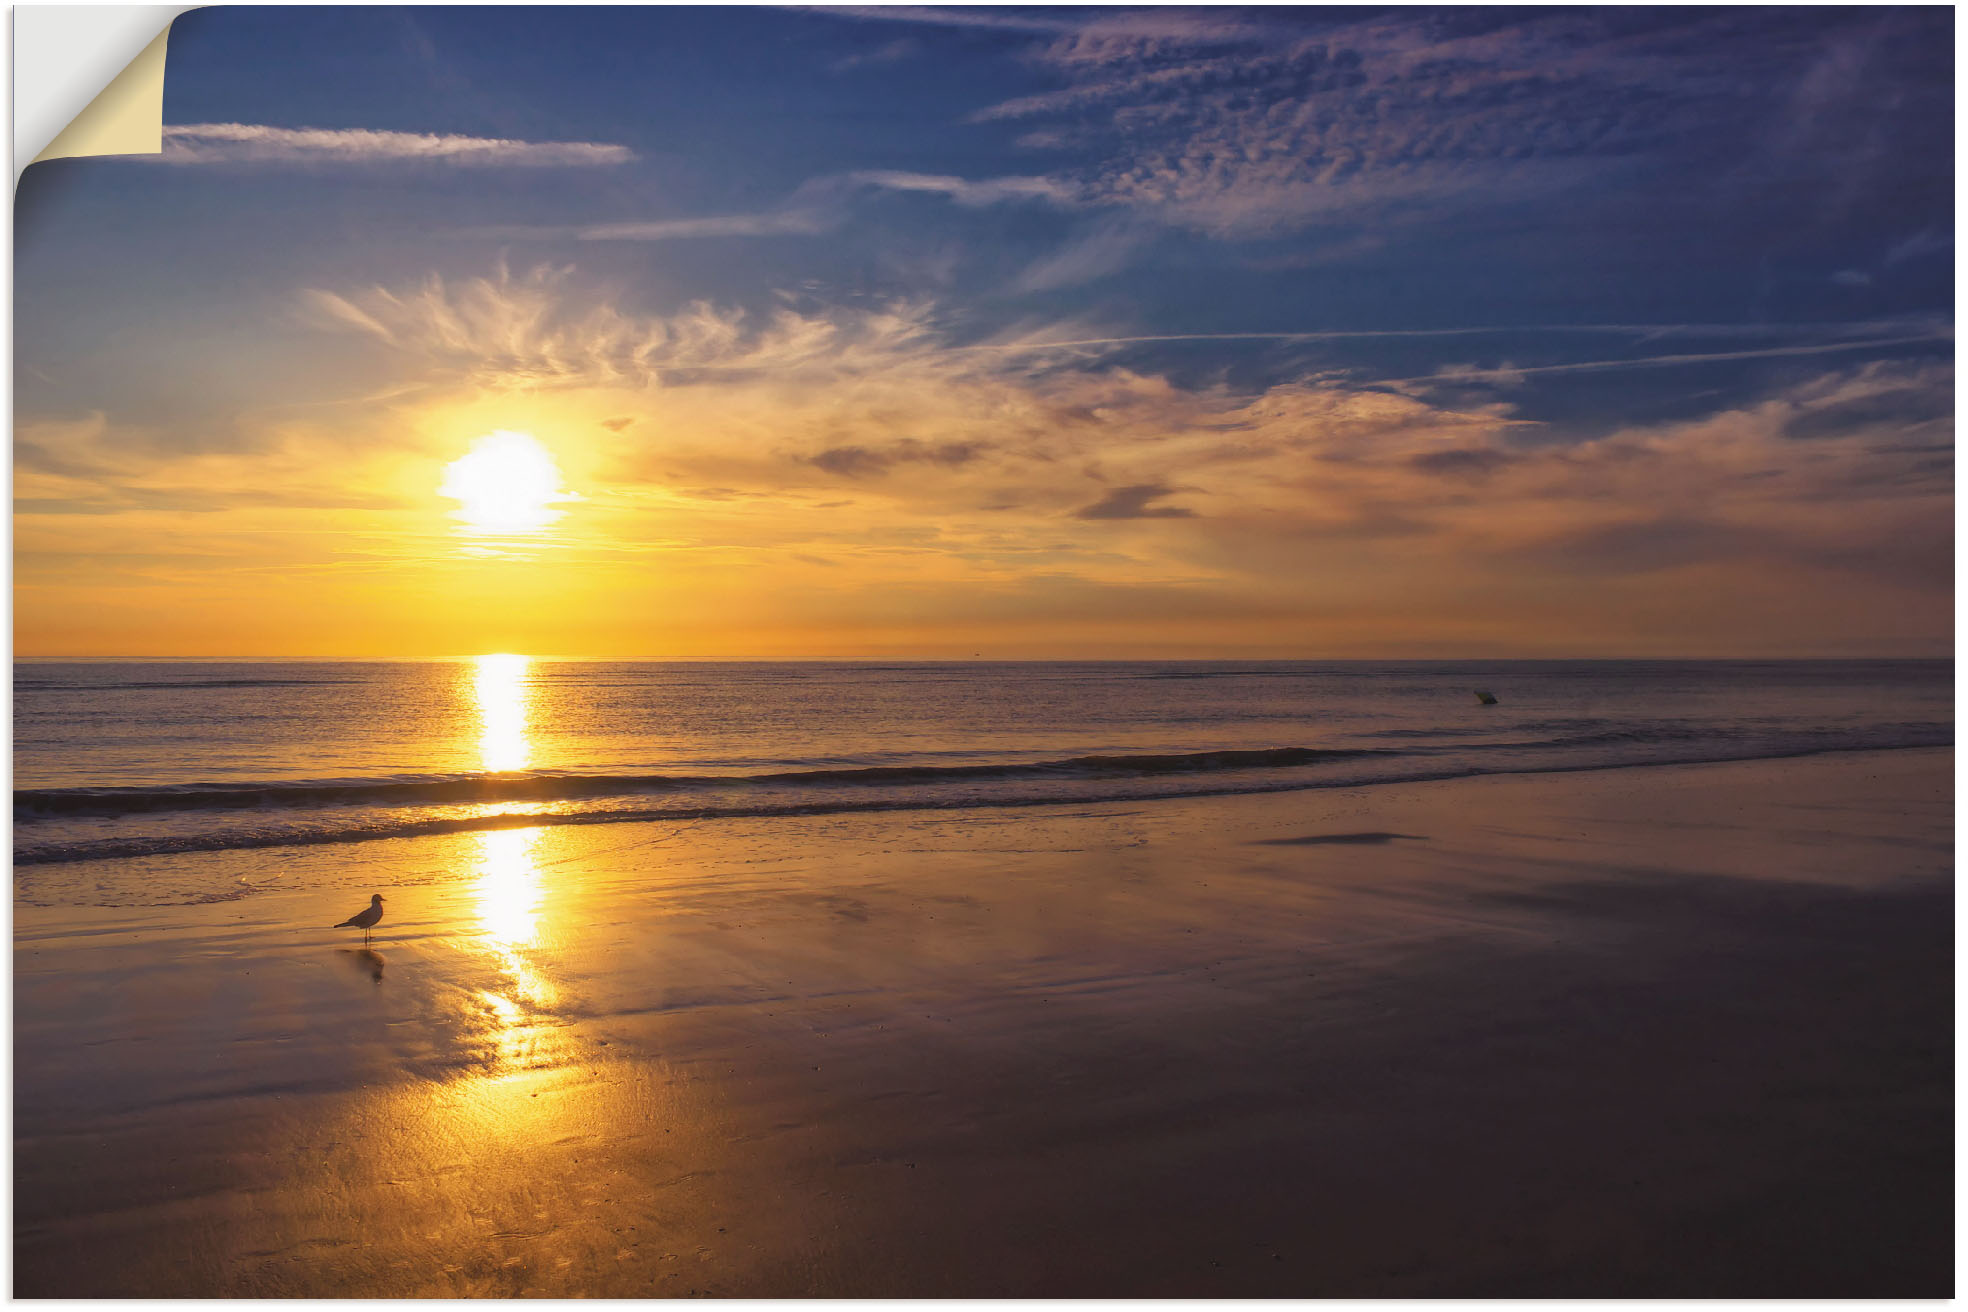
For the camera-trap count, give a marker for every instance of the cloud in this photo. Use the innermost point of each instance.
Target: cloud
(1922, 243)
(819, 206)
(893, 53)
(1336, 514)
(537, 329)
(1462, 462)
(986, 191)
(1887, 405)
(1515, 374)
(90, 466)
(1132, 503)
(1854, 334)
(245, 143)
(1284, 129)
(779, 407)
(1139, 24)
(861, 461)
(1243, 127)
(953, 17)
(777, 223)
(1104, 250)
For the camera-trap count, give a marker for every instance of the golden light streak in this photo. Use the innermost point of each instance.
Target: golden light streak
(508, 892)
(502, 690)
(508, 888)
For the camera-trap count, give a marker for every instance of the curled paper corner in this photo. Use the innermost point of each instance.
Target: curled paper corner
(89, 80)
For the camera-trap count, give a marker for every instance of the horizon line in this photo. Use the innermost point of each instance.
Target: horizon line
(18, 661)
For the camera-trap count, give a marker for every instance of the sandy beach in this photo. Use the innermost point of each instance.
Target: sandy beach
(1665, 1031)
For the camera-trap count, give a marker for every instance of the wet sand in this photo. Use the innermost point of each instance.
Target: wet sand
(1673, 1031)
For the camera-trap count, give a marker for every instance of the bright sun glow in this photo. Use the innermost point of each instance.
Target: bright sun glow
(506, 483)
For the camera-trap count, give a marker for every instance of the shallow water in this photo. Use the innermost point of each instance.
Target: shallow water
(139, 760)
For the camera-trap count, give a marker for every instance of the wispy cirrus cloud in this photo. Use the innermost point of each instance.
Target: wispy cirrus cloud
(1240, 127)
(1191, 25)
(256, 143)
(945, 17)
(895, 52)
(535, 329)
(881, 390)
(1275, 134)
(1925, 242)
(1516, 373)
(820, 206)
(772, 223)
(966, 191)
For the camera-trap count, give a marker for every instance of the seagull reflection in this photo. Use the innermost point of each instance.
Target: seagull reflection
(364, 960)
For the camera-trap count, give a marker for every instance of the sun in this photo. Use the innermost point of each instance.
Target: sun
(506, 483)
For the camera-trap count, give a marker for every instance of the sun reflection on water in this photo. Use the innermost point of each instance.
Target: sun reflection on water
(514, 1010)
(502, 690)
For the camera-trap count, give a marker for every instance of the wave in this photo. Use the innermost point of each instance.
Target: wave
(384, 825)
(556, 786)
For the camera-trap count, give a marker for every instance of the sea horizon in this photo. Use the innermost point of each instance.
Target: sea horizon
(953, 660)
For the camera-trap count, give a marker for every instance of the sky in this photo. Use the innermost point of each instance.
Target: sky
(1025, 333)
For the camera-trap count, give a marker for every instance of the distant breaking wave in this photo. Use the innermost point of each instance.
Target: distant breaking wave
(1075, 780)
(555, 786)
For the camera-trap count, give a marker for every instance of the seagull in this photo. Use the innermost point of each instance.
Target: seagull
(365, 920)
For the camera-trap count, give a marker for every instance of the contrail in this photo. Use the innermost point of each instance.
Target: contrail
(1659, 361)
(1639, 329)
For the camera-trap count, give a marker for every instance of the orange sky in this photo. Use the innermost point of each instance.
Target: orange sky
(839, 484)
(892, 332)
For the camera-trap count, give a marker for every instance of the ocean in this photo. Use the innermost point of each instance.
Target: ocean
(119, 767)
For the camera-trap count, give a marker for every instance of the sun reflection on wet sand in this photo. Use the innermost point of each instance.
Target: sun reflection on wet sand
(508, 887)
(508, 893)
(502, 690)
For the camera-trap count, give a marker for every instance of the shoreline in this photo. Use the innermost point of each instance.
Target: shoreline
(1583, 1033)
(438, 827)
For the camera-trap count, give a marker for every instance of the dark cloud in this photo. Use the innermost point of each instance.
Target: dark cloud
(872, 462)
(618, 423)
(34, 456)
(1462, 462)
(1132, 503)
(851, 461)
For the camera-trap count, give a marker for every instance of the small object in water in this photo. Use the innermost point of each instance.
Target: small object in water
(1486, 697)
(365, 920)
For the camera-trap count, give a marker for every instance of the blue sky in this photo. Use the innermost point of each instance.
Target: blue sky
(1544, 238)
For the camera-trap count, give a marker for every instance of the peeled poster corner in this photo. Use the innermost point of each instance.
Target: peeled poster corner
(89, 80)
